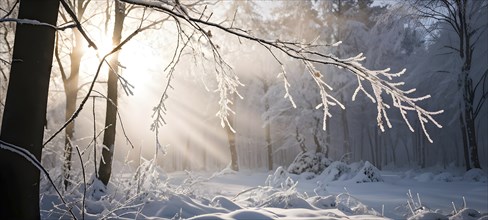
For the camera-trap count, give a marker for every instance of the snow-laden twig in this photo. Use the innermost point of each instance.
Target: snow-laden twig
(37, 23)
(84, 183)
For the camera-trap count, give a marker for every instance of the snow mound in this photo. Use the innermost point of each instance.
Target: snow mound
(444, 177)
(223, 202)
(181, 206)
(309, 162)
(275, 213)
(466, 214)
(244, 214)
(472, 175)
(476, 175)
(428, 216)
(359, 172)
(425, 177)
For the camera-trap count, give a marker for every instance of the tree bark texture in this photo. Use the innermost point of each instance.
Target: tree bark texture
(24, 115)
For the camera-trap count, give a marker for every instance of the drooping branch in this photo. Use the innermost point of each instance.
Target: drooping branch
(381, 81)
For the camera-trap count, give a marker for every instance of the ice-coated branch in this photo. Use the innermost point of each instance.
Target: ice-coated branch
(381, 81)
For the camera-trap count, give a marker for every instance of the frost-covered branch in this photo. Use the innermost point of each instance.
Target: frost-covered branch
(381, 81)
(37, 23)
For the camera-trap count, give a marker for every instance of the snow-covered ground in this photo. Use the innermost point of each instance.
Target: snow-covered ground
(250, 194)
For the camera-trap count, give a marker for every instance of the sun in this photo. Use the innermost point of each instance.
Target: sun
(137, 63)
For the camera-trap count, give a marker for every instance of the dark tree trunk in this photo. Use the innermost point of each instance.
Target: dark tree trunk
(316, 140)
(465, 141)
(468, 112)
(466, 47)
(24, 115)
(105, 169)
(471, 132)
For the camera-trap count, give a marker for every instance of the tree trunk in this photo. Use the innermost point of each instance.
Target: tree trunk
(231, 136)
(71, 92)
(371, 144)
(345, 127)
(318, 145)
(24, 116)
(269, 146)
(105, 169)
(187, 158)
(267, 129)
(327, 139)
(465, 141)
(473, 143)
(465, 34)
(469, 117)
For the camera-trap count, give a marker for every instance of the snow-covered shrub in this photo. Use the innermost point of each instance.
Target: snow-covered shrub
(466, 214)
(359, 172)
(476, 175)
(337, 170)
(414, 207)
(275, 197)
(280, 192)
(321, 188)
(368, 173)
(280, 179)
(285, 199)
(323, 202)
(444, 177)
(309, 162)
(149, 177)
(349, 204)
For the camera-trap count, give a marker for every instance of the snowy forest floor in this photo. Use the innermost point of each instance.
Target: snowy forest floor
(248, 194)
